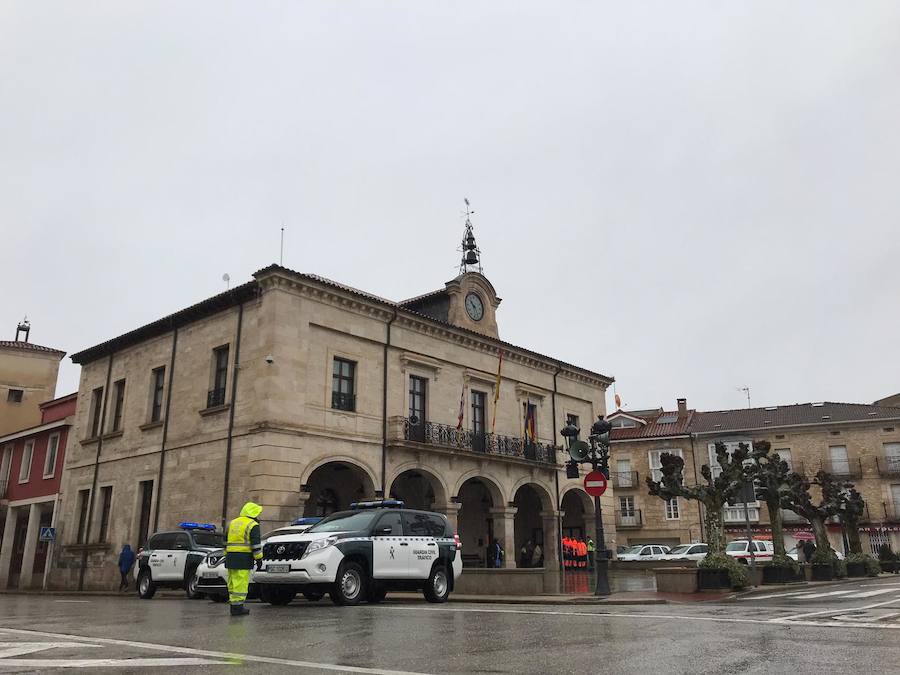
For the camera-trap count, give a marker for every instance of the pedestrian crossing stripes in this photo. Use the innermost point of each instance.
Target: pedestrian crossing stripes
(854, 594)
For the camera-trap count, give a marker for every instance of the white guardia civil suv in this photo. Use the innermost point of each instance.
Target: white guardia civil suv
(361, 554)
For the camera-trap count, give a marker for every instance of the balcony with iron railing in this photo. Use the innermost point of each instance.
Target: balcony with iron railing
(852, 468)
(629, 520)
(215, 398)
(341, 401)
(624, 480)
(451, 438)
(888, 465)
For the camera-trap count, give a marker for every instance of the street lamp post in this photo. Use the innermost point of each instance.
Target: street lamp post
(595, 453)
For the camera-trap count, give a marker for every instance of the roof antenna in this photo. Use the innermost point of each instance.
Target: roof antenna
(746, 390)
(227, 279)
(471, 253)
(281, 255)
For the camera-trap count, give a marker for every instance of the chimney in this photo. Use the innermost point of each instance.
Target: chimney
(682, 408)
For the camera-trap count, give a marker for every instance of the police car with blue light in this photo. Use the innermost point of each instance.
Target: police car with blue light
(361, 554)
(170, 559)
(211, 578)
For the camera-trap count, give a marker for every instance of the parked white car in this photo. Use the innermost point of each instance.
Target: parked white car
(688, 552)
(762, 550)
(644, 552)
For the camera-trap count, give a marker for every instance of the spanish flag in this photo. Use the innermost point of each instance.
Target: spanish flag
(530, 423)
(497, 391)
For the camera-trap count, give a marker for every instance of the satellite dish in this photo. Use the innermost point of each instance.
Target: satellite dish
(227, 279)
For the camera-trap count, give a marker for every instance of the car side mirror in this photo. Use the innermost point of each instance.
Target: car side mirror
(385, 531)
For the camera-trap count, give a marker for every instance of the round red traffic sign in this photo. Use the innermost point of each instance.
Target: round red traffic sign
(595, 483)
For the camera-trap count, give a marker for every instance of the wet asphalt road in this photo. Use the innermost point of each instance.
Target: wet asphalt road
(776, 634)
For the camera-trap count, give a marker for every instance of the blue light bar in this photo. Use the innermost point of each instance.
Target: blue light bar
(197, 526)
(306, 521)
(378, 504)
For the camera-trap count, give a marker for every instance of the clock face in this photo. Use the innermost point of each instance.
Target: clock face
(474, 307)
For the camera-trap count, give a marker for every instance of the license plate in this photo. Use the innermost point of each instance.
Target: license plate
(210, 575)
(276, 569)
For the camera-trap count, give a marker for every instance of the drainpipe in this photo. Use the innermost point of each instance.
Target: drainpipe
(234, 380)
(556, 479)
(165, 431)
(90, 513)
(384, 406)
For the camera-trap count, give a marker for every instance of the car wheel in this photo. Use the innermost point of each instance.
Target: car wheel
(313, 596)
(191, 589)
(742, 561)
(146, 587)
(350, 585)
(437, 588)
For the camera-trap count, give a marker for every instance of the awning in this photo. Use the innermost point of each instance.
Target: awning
(803, 536)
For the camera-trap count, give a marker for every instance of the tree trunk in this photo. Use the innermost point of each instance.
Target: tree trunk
(821, 534)
(851, 530)
(775, 519)
(715, 530)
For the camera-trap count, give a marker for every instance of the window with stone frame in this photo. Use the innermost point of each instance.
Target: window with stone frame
(343, 385)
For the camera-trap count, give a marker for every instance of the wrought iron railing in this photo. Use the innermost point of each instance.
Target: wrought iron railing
(624, 480)
(343, 401)
(490, 444)
(215, 397)
(888, 466)
(841, 469)
(631, 518)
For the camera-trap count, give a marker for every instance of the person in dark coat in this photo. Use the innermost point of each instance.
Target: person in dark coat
(126, 561)
(809, 550)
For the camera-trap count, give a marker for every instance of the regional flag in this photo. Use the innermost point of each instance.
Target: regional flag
(497, 391)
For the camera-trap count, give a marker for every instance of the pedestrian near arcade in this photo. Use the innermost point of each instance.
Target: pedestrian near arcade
(126, 562)
(590, 552)
(537, 556)
(809, 550)
(243, 552)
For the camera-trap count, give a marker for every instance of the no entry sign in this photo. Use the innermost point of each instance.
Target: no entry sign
(595, 484)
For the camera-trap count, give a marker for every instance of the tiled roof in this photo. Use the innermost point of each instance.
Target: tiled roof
(30, 346)
(742, 419)
(654, 429)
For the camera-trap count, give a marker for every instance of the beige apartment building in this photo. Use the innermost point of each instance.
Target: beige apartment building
(857, 442)
(304, 395)
(27, 379)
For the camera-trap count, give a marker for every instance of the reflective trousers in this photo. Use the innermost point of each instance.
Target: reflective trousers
(238, 583)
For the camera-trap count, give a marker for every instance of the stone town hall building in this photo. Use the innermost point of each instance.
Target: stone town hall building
(304, 395)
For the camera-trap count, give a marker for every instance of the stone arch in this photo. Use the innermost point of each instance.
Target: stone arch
(343, 459)
(492, 484)
(334, 484)
(418, 486)
(480, 500)
(534, 541)
(578, 513)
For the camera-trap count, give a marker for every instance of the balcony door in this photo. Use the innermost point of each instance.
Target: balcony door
(840, 464)
(623, 473)
(891, 457)
(479, 428)
(418, 387)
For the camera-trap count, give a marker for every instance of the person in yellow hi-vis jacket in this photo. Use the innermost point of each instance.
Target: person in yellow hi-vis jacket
(243, 551)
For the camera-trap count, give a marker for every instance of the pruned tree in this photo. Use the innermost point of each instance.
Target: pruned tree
(771, 476)
(800, 501)
(720, 486)
(853, 507)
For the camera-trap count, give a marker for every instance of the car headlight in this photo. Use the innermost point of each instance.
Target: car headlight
(318, 545)
(215, 559)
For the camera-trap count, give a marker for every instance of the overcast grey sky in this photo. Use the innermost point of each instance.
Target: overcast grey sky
(690, 196)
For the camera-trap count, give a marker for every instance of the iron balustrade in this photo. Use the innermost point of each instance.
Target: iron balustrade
(491, 444)
(629, 519)
(624, 479)
(215, 397)
(852, 468)
(341, 401)
(888, 466)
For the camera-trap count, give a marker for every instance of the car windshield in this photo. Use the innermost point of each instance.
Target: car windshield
(632, 549)
(214, 539)
(737, 546)
(680, 549)
(346, 521)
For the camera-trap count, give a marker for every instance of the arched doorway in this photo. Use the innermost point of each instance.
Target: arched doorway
(533, 543)
(334, 486)
(578, 514)
(418, 489)
(477, 496)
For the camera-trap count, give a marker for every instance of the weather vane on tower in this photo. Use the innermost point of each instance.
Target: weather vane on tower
(471, 258)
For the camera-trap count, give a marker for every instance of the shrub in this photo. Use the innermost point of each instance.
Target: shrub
(787, 562)
(872, 566)
(886, 553)
(737, 573)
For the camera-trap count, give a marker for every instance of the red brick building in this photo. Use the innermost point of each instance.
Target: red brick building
(32, 465)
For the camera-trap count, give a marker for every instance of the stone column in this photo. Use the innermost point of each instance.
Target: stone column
(551, 539)
(451, 510)
(6, 547)
(505, 532)
(31, 540)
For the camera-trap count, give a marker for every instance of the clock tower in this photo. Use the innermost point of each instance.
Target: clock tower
(468, 301)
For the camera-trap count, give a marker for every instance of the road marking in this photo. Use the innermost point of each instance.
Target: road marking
(869, 594)
(175, 649)
(22, 648)
(822, 595)
(792, 619)
(110, 663)
(72, 601)
(775, 595)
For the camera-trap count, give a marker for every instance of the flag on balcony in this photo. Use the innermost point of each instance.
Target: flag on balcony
(462, 404)
(530, 423)
(497, 391)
